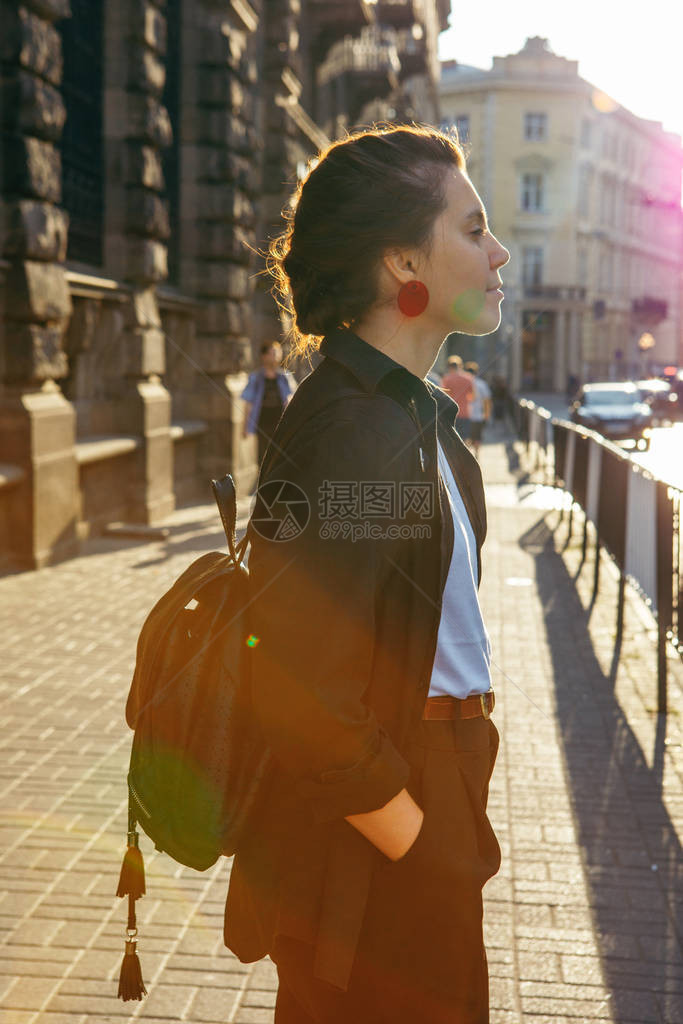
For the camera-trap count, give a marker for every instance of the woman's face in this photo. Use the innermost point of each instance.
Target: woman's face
(460, 268)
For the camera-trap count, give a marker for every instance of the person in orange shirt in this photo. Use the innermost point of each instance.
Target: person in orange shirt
(460, 386)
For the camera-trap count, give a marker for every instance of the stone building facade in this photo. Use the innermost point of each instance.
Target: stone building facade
(148, 147)
(587, 197)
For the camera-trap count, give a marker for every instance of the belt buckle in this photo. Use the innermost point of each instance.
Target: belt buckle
(484, 705)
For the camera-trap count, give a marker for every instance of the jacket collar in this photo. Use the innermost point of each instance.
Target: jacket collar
(368, 365)
(447, 409)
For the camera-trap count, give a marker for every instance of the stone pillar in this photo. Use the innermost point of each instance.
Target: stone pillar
(515, 371)
(220, 176)
(560, 355)
(140, 41)
(281, 85)
(574, 357)
(37, 424)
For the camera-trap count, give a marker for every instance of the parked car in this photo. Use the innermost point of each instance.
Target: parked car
(616, 411)
(662, 398)
(677, 387)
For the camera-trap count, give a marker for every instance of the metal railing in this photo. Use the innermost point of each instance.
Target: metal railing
(636, 518)
(373, 51)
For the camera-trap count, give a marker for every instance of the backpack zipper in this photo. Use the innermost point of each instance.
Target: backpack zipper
(137, 799)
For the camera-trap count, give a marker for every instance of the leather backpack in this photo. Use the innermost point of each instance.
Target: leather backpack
(198, 761)
(197, 758)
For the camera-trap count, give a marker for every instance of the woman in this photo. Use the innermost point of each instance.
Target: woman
(268, 391)
(363, 875)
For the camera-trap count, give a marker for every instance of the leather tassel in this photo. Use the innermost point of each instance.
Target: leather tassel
(132, 877)
(131, 985)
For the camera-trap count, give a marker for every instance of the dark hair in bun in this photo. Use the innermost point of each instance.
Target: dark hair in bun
(376, 189)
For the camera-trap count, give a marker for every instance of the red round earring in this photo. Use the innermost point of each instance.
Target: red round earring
(413, 298)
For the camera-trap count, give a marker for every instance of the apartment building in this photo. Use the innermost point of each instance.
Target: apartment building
(587, 198)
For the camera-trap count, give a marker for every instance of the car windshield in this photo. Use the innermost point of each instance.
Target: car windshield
(610, 397)
(653, 387)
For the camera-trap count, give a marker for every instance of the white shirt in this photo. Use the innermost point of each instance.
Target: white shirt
(462, 662)
(481, 392)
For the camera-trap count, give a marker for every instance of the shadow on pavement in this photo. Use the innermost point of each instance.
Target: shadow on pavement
(194, 545)
(632, 854)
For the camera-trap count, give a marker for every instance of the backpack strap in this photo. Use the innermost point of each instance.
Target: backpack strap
(294, 417)
(289, 425)
(226, 499)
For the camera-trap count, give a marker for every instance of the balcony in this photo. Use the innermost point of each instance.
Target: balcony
(396, 13)
(411, 44)
(332, 20)
(373, 56)
(355, 72)
(404, 13)
(558, 295)
(649, 311)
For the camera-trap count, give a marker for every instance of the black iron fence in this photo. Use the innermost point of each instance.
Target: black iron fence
(635, 517)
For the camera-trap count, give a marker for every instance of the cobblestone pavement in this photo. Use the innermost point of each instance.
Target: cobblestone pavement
(584, 920)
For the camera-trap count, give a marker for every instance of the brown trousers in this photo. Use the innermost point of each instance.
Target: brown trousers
(420, 956)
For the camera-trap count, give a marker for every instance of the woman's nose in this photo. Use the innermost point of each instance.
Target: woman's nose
(500, 256)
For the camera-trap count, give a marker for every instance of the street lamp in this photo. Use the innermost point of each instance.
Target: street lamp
(645, 342)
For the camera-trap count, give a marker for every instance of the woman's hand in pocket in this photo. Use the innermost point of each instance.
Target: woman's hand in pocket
(393, 828)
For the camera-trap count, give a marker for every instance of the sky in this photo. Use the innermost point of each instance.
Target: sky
(632, 52)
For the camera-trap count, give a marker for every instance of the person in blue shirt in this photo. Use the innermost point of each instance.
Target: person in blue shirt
(268, 391)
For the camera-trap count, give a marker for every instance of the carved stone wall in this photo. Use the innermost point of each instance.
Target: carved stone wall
(225, 154)
(289, 135)
(36, 422)
(119, 388)
(144, 232)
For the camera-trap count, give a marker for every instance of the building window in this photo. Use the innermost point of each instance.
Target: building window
(535, 127)
(611, 186)
(586, 133)
(582, 267)
(621, 207)
(532, 192)
(171, 155)
(606, 271)
(604, 199)
(585, 185)
(462, 126)
(81, 143)
(618, 270)
(532, 266)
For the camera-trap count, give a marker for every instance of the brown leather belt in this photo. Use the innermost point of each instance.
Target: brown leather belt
(477, 705)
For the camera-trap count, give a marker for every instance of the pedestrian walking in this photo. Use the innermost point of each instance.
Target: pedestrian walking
(268, 391)
(480, 406)
(499, 390)
(362, 875)
(458, 383)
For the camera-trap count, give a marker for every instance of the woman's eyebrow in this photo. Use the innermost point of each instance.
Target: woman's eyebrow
(477, 214)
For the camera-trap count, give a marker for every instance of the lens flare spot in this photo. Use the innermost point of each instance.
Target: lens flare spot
(603, 103)
(252, 640)
(469, 304)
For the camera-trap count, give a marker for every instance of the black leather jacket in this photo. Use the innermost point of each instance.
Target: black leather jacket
(346, 611)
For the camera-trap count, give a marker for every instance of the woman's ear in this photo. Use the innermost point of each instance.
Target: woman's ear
(401, 264)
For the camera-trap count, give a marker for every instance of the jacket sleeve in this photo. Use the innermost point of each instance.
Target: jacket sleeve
(314, 599)
(249, 392)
